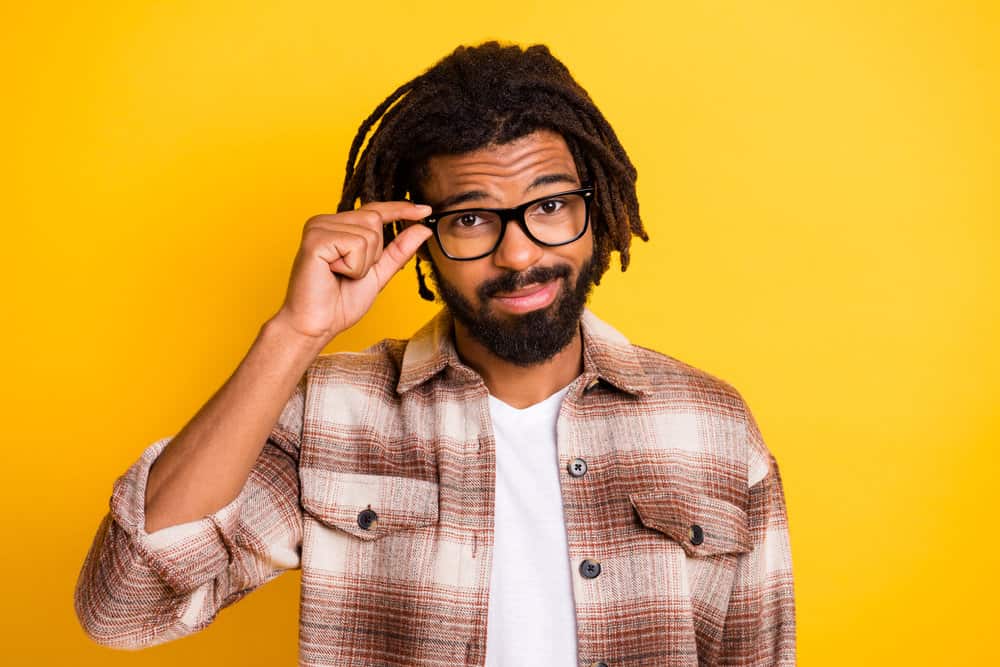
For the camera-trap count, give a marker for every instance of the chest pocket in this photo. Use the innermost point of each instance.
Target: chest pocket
(369, 506)
(701, 524)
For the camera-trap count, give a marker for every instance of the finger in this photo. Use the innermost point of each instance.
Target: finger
(398, 253)
(389, 211)
(374, 239)
(346, 254)
(373, 215)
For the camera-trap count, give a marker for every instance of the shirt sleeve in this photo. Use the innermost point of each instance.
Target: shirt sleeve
(138, 589)
(760, 622)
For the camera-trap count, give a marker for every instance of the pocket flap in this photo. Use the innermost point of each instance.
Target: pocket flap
(387, 502)
(701, 524)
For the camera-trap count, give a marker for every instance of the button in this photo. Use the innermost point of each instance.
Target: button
(590, 568)
(577, 467)
(366, 518)
(599, 664)
(697, 535)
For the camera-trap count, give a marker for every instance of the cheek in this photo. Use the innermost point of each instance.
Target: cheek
(577, 254)
(463, 277)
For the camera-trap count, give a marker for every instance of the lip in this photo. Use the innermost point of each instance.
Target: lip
(531, 297)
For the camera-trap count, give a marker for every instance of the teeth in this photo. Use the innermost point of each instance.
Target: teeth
(523, 291)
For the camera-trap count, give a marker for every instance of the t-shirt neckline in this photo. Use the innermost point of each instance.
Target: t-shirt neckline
(540, 406)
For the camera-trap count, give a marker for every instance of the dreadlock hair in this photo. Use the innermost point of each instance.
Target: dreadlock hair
(487, 95)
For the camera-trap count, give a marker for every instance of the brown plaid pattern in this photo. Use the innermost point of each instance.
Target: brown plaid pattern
(378, 482)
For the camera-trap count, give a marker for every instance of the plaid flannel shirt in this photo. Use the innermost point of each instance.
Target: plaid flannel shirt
(378, 482)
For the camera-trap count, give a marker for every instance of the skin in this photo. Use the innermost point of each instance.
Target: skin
(505, 176)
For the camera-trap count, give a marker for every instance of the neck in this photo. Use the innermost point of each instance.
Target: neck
(520, 386)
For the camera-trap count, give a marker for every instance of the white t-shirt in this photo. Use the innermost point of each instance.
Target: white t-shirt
(532, 618)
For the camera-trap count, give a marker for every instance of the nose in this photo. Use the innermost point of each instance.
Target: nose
(516, 251)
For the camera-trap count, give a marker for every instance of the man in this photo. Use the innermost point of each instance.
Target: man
(517, 484)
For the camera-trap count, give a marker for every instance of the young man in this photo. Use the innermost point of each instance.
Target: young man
(517, 484)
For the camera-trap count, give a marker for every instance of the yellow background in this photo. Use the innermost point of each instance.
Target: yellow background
(819, 184)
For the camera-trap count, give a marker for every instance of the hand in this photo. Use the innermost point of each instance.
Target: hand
(341, 265)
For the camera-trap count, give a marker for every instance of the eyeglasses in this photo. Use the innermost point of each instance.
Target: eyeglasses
(552, 220)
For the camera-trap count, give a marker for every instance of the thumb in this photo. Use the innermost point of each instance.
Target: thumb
(398, 253)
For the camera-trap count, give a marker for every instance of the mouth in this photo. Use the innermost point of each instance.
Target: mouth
(528, 298)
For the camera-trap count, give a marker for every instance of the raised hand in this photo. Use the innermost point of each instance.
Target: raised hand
(341, 265)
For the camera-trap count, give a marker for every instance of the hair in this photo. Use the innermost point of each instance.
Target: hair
(485, 95)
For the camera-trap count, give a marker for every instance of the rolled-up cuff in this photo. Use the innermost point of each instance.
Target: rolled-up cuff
(185, 555)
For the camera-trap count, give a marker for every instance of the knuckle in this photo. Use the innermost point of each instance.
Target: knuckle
(357, 249)
(312, 236)
(371, 217)
(395, 253)
(313, 220)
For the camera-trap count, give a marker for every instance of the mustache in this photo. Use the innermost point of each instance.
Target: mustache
(511, 281)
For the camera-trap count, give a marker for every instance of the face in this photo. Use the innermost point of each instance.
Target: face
(523, 302)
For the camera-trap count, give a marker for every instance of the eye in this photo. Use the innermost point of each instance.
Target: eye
(467, 221)
(550, 206)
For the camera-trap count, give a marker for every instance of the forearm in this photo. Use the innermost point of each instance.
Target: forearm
(136, 590)
(207, 463)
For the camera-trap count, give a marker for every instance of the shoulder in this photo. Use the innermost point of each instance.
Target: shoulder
(668, 376)
(675, 385)
(376, 365)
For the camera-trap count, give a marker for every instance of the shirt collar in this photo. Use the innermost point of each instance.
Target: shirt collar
(607, 355)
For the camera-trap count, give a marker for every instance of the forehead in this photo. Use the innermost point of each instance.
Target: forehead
(504, 165)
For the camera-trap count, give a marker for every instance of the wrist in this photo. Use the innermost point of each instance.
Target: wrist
(280, 329)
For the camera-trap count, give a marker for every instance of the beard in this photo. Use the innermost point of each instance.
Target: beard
(529, 338)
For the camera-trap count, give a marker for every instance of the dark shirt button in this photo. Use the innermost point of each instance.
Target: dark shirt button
(366, 518)
(577, 467)
(590, 568)
(697, 534)
(600, 664)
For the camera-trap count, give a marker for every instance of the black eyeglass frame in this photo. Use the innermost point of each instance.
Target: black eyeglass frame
(517, 214)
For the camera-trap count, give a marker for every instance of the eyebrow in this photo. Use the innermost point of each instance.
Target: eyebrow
(478, 195)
